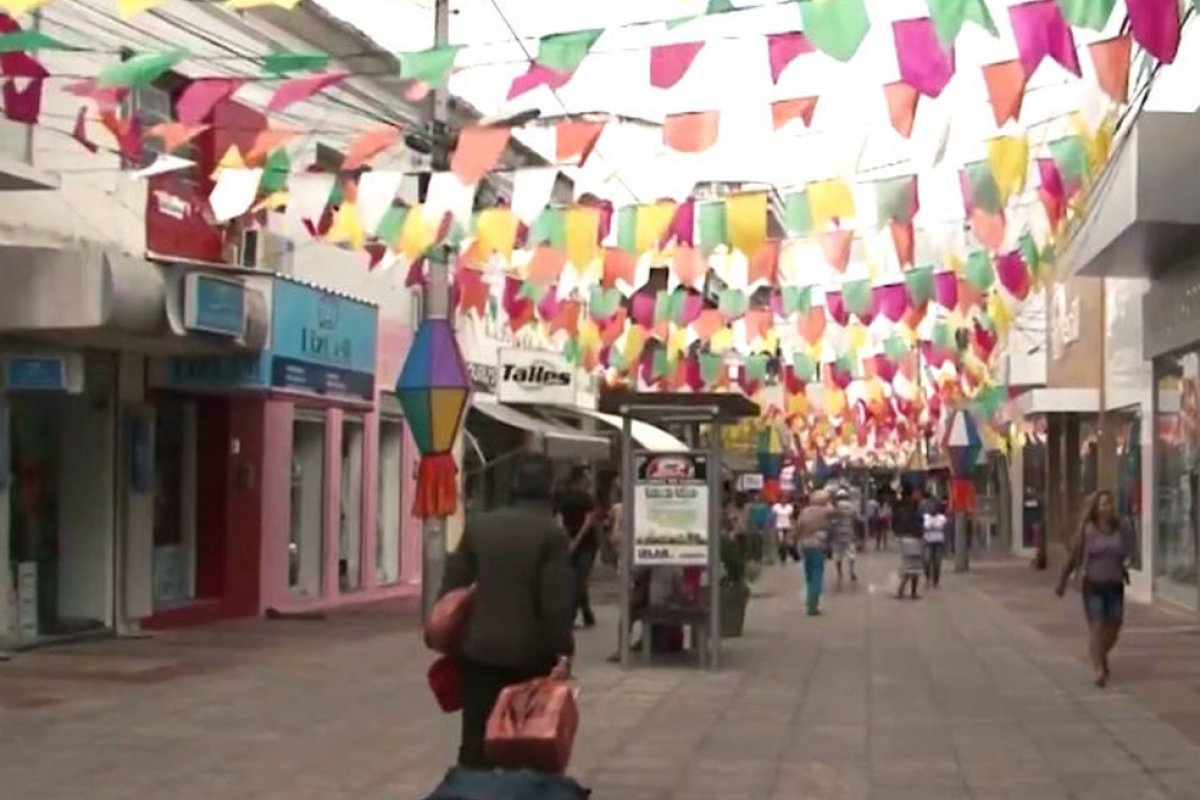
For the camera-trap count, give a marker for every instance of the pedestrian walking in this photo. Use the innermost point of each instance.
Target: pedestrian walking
(522, 612)
(935, 544)
(909, 527)
(1101, 554)
(812, 530)
(842, 534)
(576, 509)
(783, 511)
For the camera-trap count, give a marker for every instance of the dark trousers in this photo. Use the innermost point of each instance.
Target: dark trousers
(481, 687)
(582, 562)
(933, 562)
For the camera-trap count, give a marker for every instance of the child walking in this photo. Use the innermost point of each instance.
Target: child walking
(908, 526)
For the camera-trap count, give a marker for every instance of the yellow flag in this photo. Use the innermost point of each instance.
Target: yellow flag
(676, 342)
(829, 200)
(589, 335)
(835, 401)
(746, 218)
(127, 8)
(770, 341)
(416, 236)
(231, 160)
(797, 404)
(1008, 156)
(857, 336)
(347, 227)
(496, 231)
(651, 225)
(721, 341)
(244, 4)
(273, 202)
(998, 311)
(952, 262)
(15, 7)
(635, 341)
(582, 234)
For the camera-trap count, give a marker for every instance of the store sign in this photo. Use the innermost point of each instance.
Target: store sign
(214, 304)
(58, 372)
(483, 376)
(534, 376)
(322, 343)
(671, 510)
(1064, 329)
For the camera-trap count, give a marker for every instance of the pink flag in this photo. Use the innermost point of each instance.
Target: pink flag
(298, 89)
(835, 306)
(683, 223)
(693, 305)
(1155, 26)
(945, 289)
(1041, 31)
(198, 100)
(548, 306)
(925, 63)
(670, 62)
(890, 300)
(1013, 274)
(1051, 191)
(23, 105)
(536, 76)
(642, 309)
(79, 133)
(105, 96)
(782, 49)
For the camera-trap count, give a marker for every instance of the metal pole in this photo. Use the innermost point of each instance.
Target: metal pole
(962, 561)
(436, 306)
(714, 544)
(625, 557)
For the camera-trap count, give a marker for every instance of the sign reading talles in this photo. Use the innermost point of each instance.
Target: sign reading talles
(534, 376)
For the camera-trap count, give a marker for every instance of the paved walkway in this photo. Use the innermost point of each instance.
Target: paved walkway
(952, 696)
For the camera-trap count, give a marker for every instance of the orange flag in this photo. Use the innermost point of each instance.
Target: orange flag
(574, 139)
(758, 323)
(811, 326)
(479, 148)
(835, 244)
(1006, 89)
(968, 297)
(370, 144)
(268, 140)
(708, 323)
(546, 265)
(175, 134)
(689, 265)
(614, 328)
(618, 263)
(902, 238)
(784, 111)
(764, 265)
(988, 228)
(693, 132)
(1111, 60)
(902, 106)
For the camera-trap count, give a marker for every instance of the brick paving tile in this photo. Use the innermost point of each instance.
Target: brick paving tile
(975, 691)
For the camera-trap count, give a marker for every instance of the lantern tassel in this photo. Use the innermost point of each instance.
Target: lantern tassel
(437, 486)
(962, 495)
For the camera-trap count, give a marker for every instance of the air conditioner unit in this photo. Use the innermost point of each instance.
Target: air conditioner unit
(270, 252)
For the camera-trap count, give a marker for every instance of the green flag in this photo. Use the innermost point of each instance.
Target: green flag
(712, 226)
(756, 367)
(796, 300)
(1029, 252)
(895, 348)
(942, 336)
(1070, 156)
(276, 171)
(532, 291)
(857, 296)
(432, 67)
(140, 70)
(719, 7)
(550, 228)
(627, 229)
(919, 283)
(1093, 14)
(661, 365)
(835, 27)
(285, 63)
(662, 307)
(30, 42)
(391, 224)
(895, 199)
(978, 271)
(949, 15)
(797, 214)
(711, 365)
(572, 352)
(733, 303)
(804, 366)
(981, 186)
(604, 302)
(564, 52)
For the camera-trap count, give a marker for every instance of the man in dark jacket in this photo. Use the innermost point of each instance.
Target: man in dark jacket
(524, 606)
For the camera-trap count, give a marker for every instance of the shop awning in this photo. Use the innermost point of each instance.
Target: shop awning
(556, 441)
(647, 436)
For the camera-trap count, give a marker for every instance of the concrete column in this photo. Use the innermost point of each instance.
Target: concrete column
(1055, 485)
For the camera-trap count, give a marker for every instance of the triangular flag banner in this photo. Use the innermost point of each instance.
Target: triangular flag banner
(904, 240)
(536, 76)
(79, 132)
(140, 70)
(902, 106)
(369, 144)
(896, 199)
(285, 63)
(784, 111)
(1006, 89)
(1070, 156)
(919, 283)
(797, 214)
(830, 201)
(296, 90)
(746, 216)
(431, 67)
(857, 297)
(711, 225)
(926, 64)
(979, 188)
(1041, 32)
(978, 271)
(565, 51)
(1013, 274)
(652, 223)
(1155, 26)
(1092, 14)
(693, 132)
(949, 16)
(582, 228)
(1051, 190)
(1008, 157)
(479, 149)
(200, 97)
(531, 191)
(1111, 61)
(575, 139)
(782, 50)
(234, 193)
(835, 244)
(670, 62)
(31, 41)
(835, 27)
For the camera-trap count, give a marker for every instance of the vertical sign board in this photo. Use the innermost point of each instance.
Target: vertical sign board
(214, 304)
(671, 510)
(141, 455)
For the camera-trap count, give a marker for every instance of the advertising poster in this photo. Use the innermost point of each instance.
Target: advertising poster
(670, 510)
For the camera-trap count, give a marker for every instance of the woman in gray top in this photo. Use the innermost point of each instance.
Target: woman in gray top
(1101, 552)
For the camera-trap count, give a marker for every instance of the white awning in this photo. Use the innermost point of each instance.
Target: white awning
(556, 441)
(647, 436)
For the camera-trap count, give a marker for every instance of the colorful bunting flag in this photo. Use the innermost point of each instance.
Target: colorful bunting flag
(950, 15)
(782, 50)
(1041, 32)
(139, 70)
(1006, 89)
(564, 52)
(835, 27)
(902, 106)
(802, 108)
(431, 67)
(926, 64)
(670, 62)
(692, 132)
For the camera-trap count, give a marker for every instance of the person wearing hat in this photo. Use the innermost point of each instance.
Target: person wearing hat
(842, 532)
(812, 530)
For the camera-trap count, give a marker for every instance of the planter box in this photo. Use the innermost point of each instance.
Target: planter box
(734, 600)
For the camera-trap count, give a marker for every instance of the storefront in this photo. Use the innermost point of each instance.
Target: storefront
(307, 455)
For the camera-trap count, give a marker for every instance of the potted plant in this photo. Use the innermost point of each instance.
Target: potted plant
(735, 591)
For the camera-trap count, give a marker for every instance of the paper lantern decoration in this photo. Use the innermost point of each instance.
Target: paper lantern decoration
(963, 445)
(433, 389)
(770, 450)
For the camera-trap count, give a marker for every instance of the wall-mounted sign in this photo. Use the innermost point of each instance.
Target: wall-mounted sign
(534, 376)
(213, 304)
(43, 372)
(671, 510)
(1064, 329)
(483, 376)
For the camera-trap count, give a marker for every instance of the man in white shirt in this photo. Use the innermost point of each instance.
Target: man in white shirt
(935, 544)
(783, 511)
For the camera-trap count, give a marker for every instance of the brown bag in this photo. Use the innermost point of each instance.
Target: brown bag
(532, 726)
(447, 623)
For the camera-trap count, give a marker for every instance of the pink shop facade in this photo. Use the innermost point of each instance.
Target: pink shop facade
(301, 468)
